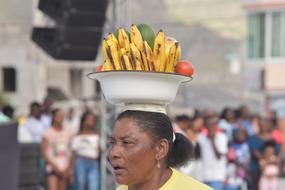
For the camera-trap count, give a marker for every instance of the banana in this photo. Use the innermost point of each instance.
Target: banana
(169, 41)
(136, 58)
(123, 40)
(113, 55)
(177, 55)
(144, 57)
(125, 61)
(171, 58)
(159, 52)
(149, 56)
(114, 40)
(107, 56)
(136, 37)
(107, 65)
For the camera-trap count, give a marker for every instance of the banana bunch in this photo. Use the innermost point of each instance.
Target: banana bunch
(134, 52)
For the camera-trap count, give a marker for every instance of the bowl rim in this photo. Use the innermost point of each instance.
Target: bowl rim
(187, 78)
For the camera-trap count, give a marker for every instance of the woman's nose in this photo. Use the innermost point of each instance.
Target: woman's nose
(114, 152)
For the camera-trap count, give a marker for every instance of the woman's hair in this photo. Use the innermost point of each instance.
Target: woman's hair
(159, 126)
(83, 118)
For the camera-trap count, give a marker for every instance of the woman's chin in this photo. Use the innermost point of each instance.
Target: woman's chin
(122, 180)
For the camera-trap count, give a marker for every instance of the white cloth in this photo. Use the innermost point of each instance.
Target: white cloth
(213, 169)
(35, 128)
(46, 120)
(86, 145)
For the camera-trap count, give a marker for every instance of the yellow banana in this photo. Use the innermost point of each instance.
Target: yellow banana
(144, 57)
(169, 41)
(177, 54)
(107, 52)
(136, 57)
(123, 40)
(125, 61)
(107, 65)
(136, 37)
(114, 40)
(113, 55)
(149, 56)
(159, 52)
(170, 58)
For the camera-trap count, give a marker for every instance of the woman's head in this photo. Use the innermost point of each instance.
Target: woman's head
(142, 142)
(57, 117)
(87, 121)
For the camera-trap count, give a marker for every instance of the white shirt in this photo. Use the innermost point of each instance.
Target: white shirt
(35, 128)
(213, 169)
(86, 145)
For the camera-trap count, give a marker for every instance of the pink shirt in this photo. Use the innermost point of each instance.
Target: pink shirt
(58, 151)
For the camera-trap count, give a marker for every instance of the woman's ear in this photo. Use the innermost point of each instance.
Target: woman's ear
(162, 148)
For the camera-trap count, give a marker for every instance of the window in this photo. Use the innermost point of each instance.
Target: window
(256, 35)
(278, 34)
(9, 79)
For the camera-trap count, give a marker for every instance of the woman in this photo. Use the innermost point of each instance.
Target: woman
(86, 154)
(55, 148)
(145, 150)
(193, 168)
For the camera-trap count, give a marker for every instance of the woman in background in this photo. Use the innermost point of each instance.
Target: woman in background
(55, 148)
(86, 153)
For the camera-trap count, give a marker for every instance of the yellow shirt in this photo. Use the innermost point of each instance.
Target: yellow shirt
(178, 181)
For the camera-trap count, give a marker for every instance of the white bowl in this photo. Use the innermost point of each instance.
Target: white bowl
(139, 87)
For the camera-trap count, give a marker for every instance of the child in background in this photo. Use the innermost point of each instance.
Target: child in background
(238, 157)
(269, 165)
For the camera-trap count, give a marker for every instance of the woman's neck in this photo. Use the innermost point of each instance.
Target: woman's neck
(88, 131)
(154, 181)
(57, 127)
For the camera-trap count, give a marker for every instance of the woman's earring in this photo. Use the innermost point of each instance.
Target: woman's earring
(158, 164)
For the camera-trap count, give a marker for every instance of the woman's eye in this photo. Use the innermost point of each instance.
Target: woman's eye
(112, 142)
(127, 142)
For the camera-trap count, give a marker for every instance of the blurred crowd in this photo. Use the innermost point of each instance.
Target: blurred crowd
(232, 150)
(235, 149)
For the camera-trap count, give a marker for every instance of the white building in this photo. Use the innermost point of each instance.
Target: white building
(28, 73)
(265, 62)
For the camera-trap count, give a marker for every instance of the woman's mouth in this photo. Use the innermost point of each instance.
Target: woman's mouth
(118, 170)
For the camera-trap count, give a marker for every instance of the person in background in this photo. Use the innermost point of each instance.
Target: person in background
(71, 121)
(214, 147)
(46, 116)
(255, 144)
(193, 168)
(238, 160)
(245, 120)
(228, 122)
(86, 154)
(33, 126)
(269, 164)
(181, 124)
(8, 111)
(55, 148)
(3, 116)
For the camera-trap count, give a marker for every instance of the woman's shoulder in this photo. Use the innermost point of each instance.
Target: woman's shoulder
(186, 182)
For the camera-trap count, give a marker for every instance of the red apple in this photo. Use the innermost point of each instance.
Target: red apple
(99, 68)
(184, 67)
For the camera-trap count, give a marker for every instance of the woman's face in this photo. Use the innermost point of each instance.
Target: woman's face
(58, 117)
(132, 154)
(90, 121)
